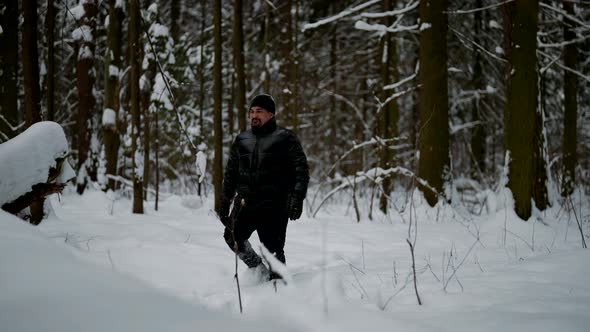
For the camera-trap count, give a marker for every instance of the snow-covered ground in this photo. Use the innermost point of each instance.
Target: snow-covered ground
(85, 269)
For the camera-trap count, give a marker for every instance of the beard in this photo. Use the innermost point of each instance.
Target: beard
(255, 123)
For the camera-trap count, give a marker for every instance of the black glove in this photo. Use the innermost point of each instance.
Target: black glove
(294, 207)
(223, 210)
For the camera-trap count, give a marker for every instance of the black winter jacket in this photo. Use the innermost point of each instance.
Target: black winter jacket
(265, 166)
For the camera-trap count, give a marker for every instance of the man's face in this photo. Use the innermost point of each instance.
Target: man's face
(259, 116)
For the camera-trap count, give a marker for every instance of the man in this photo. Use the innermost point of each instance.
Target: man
(268, 171)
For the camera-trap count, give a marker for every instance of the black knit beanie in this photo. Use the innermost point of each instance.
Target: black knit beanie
(265, 101)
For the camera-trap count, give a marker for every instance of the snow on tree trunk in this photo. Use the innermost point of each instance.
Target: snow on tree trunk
(111, 107)
(84, 35)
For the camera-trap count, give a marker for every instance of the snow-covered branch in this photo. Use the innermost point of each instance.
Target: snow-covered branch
(409, 8)
(469, 11)
(340, 15)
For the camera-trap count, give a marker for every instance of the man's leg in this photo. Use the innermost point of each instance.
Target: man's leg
(272, 232)
(243, 229)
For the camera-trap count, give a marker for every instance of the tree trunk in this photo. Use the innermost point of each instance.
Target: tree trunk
(31, 63)
(390, 112)
(174, 20)
(240, 97)
(50, 26)
(478, 135)
(570, 88)
(112, 69)
(202, 81)
(9, 116)
(433, 137)
(286, 69)
(521, 106)
(265, 46)
(217, 107)
(134, 58)
(85, 80)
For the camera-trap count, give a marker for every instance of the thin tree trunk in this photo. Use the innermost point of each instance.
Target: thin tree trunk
(134, 57)
(521, 106)
(570, 88)
(478, 133)
(217, 107)
(286, 69)
(433, 136)
(202, 80)
(390, 113)
(9, 74)
(240, 96)
(266, 41)
(50, 26)
(31, 63)
(174, 20)
(112, 69)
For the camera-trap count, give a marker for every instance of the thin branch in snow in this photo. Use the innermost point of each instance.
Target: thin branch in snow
(400, 83)
(404, 10)
(362, 25)
(469, 11)
(564, 14)
(342, 14)
(559, 64)
(463, 38)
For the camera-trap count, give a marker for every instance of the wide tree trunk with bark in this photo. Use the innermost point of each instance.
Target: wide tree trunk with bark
(433, 133)
(523, 120)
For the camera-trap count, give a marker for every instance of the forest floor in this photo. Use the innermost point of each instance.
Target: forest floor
(94, 266)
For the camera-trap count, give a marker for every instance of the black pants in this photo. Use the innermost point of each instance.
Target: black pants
(271, 226)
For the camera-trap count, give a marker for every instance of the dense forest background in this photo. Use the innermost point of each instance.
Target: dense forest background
(453, 97)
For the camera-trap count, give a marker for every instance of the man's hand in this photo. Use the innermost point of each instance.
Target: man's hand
(294, 207)
(223, 210)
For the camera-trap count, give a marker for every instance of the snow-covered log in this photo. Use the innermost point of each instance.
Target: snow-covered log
(33, 166)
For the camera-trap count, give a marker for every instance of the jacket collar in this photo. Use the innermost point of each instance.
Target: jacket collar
(266, 129)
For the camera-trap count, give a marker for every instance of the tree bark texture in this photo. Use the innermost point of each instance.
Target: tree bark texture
(433, 133)
(521, 106)
(238, 43)
(112, 61)
(287, 69)
(9, 74)
(85, 81)
(50, 80)
(30, 56)
(478, 134)
(134, 60)
(390, 112)
(570, 88)
(217, 107)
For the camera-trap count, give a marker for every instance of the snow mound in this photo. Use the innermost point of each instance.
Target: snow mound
(46, 288)
(27, 158)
